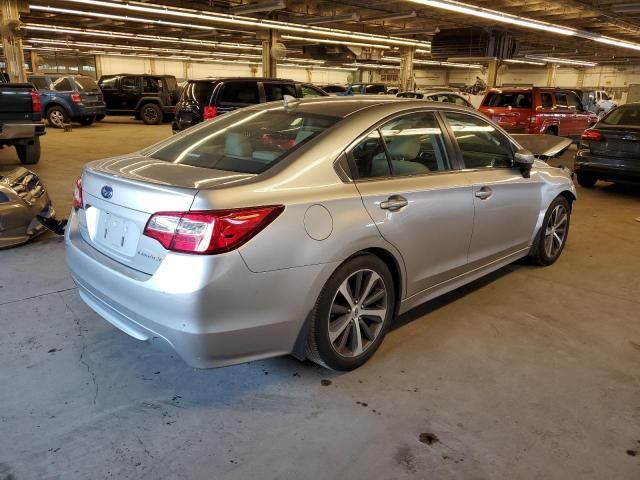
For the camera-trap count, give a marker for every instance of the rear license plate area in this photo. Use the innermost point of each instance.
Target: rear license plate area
(112, 231)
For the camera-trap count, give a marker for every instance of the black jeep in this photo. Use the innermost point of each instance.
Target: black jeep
(150, 98)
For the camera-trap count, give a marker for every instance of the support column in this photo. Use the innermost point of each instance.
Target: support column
(152, 65)
(492, 73)
(552, 70)
(185, 69)
(580, 79)
(269, 64)
(34, 61)
(12, 41)
(309, 74)
(406, 70)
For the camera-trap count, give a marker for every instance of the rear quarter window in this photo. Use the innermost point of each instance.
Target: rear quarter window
(240, 93)
(108, 83)
(40, 83)
(62, 84)
(87, 84)
(508, 99)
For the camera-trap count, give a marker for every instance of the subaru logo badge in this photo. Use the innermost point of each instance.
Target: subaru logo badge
(106, 192)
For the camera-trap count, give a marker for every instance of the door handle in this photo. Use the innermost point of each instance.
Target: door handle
(484, 193)
(394, 202)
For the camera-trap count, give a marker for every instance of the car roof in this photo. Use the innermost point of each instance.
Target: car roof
(343, 107)
(243, 79)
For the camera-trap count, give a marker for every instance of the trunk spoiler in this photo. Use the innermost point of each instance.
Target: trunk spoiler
(543, 146)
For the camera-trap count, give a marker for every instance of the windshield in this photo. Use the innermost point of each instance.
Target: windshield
(87, 84)
(508, 99)
(245, 142)
(623, 116)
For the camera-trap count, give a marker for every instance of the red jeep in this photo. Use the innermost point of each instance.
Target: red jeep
(552, 111)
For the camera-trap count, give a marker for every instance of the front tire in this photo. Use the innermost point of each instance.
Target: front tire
(352, 314)
(151, 114)
(553, 233)
(57, 117)
(586, 180)
(29, 154)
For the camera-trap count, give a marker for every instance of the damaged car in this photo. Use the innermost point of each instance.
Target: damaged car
(25, 208)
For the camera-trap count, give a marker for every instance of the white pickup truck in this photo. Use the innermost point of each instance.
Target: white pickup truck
(603, 102)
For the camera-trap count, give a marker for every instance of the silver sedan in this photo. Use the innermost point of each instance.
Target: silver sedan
(303, 227)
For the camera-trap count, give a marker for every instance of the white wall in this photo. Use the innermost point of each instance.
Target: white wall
(113, 64)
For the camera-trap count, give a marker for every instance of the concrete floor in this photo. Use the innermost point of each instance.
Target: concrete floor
(532, 373)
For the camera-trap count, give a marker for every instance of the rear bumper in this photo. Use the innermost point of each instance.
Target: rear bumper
(89, 111)
(16, 131)
(212, 310)
(613, 169)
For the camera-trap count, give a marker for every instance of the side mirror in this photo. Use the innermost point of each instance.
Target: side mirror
(524, 160)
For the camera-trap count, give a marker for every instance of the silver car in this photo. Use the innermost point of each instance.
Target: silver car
(303, 227)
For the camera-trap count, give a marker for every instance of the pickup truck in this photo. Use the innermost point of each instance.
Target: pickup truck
(20, 120)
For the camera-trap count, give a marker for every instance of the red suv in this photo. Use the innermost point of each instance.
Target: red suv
(552, 111)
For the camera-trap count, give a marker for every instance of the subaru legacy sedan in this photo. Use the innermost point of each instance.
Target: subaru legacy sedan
(302, 227)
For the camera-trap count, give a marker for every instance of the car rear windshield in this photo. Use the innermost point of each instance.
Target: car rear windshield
(86, 84)
(508, 99)
(197, 92)
(627, 116)
(245, 141)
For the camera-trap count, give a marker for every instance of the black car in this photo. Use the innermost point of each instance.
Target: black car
(150, 98)
(208, 98)
(610, 150)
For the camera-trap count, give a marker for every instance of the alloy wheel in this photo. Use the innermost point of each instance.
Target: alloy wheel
(150, 115)
(556, 231)
(357, 313)
(56, 117)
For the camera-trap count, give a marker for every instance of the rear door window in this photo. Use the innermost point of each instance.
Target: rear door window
(481, 145)
(627, 116)
(151, 85)
(108, 83)
(561, 99)
(246, 142)
(62, 84)
(239, 93)
(546, 100)
(376, 88)
(274, 92)
(508, 99)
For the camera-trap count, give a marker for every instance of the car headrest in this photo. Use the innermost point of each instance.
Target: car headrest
(403, 147)
(236, 145)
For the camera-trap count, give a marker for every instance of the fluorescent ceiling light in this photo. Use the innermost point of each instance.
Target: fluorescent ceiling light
(137, 36)
(488, 14)
(417, 31)
(563, 61)
(495, 15)
(220, 18)
(527, 62)
(390, 16)
(337, 42)
(258, 7)
(351, 17)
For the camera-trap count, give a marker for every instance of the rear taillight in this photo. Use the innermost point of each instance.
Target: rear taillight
(209, 232)
(592, 136)
(36, 104)
(77, 195)
(75, 97)
(210, 112)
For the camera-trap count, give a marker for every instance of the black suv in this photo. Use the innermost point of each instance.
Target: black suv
(150, 98)
(208, 98)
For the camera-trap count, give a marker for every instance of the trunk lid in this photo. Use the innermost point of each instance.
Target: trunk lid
(543, 146)
(121, 194)
(15, 102)
(618, 142)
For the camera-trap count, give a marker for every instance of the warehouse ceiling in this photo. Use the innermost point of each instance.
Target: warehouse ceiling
(196, 30)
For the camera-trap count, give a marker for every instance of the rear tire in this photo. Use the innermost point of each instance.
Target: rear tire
(586, 180)
(151, 114)
(345, 331)
(57, 117)
(553, 234)
(86, 121)
(551, 131)
(29, 154)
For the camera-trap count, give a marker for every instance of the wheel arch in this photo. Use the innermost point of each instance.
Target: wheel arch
(145, 100)
(51, 105)
(393, 265)
(569, 195)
